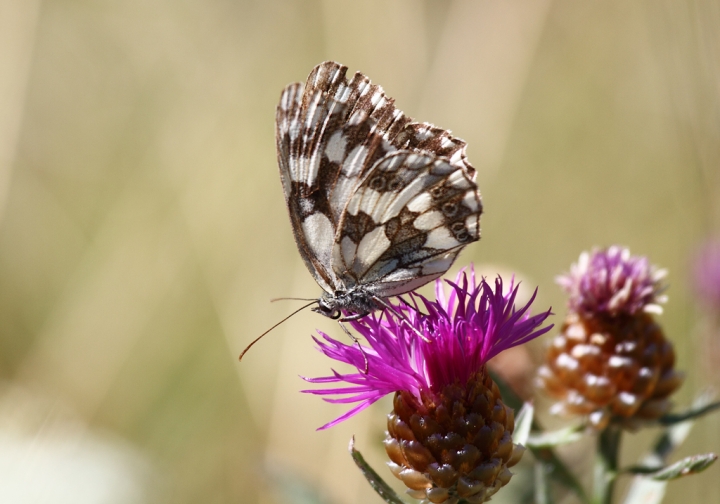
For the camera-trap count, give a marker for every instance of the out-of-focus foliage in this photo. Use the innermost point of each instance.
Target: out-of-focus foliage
(143, 230)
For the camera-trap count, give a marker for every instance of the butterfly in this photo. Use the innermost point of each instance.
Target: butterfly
(379, 205)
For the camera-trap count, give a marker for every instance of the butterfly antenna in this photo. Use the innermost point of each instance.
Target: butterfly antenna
(357, 342)
(292, 299)
(273, 327)
(404, 319)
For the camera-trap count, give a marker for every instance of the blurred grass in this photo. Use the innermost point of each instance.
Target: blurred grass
(143, 227)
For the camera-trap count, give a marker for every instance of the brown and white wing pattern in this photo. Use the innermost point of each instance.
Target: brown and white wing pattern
(405, 223)
(337, 141)
(328, 133)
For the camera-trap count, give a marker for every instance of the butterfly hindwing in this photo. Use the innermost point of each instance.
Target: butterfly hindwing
(405, 223)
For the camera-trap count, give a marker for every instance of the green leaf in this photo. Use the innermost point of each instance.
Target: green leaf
(679, 427)
(378, 484)
(685, 467)
(523, 423)
(555, 438)
(691, 414)
(645, 490)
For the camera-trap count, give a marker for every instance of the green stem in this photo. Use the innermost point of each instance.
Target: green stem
(606, 464)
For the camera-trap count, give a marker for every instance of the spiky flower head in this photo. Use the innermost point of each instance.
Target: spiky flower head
(611, 281)
(449, 435)
(611, 360)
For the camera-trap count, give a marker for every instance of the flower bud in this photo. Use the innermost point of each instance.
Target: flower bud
(611, 360)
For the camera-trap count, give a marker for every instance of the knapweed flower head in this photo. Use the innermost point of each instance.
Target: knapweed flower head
(611, 360)
(611, 281)
(449, 435)
(431, 345)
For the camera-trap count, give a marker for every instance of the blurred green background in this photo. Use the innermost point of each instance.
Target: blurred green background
(143, 229)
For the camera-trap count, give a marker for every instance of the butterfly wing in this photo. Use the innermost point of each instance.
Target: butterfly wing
(329, 132)
(333, 136)
(406, 222)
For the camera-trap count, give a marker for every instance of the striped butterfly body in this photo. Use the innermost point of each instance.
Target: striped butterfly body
(379, 205)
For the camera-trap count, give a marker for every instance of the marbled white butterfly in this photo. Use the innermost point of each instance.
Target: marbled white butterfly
(379, 205)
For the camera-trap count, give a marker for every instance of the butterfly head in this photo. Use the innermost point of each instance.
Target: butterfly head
(327, 306)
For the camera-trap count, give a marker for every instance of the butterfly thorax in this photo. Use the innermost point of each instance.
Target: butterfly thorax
(356, 300)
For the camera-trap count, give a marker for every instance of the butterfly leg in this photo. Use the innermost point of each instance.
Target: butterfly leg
(357, 342)
(399, 316)
(354, 316)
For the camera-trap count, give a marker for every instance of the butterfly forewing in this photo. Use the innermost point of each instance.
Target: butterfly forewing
(379, 205)
(327, 134)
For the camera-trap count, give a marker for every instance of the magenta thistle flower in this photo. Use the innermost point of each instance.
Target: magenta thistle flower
(449, 435)
(612, 281)
(461, 332)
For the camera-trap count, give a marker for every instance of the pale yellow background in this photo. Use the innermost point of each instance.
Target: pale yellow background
(143, 230)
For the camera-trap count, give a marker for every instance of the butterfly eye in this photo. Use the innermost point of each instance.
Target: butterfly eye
(377, 183)
(325, 309)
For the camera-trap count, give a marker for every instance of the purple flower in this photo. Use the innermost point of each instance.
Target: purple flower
(612, 281)
(706, 271)
(423, 346)
(611, 362)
